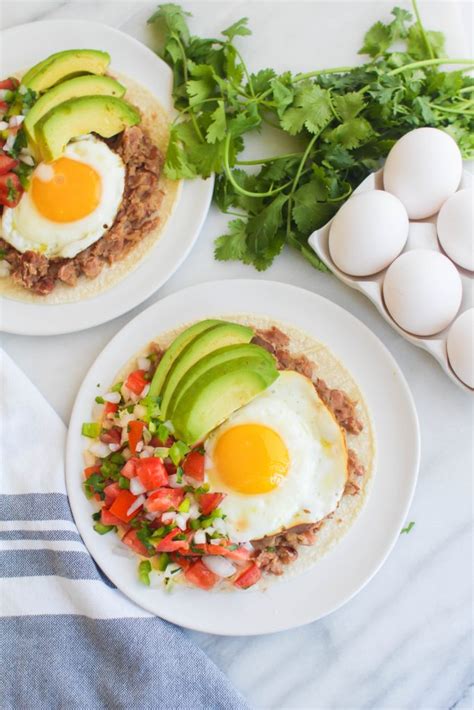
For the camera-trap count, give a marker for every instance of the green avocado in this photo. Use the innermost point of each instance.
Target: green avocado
(217, 357)
(88, 85)
(105, 115)
(58, 66)
(219, 392)
(174, 350)
(213, 339)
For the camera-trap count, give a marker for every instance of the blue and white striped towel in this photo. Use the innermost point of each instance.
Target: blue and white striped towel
(68, 638)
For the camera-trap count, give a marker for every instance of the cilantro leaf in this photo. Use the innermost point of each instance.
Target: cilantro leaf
(376, 40)
(232, 246)
(311, 109)
(348, 105)
(416, 44)
(217, 129)
(282, 95)
(308, 213)
(173, 18)
(239, 28)
(261, 80)
(351, 133)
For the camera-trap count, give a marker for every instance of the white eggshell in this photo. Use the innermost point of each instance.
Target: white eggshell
(460, 346)
(455, 228)
(423, 169)
(368, 232)
(422, 290)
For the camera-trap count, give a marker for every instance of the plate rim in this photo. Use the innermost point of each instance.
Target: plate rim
(74, 490)
(15, 315)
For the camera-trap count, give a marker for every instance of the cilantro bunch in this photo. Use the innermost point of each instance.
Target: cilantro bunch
(344, 121)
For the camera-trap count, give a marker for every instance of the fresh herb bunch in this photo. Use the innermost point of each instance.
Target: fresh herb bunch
(344, 119)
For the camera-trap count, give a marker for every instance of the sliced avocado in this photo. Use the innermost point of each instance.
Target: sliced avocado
(89, 85)
(175, 349)
(219, 392)
(105, 115)
(63, 64)
(213, 339)
(217, 357)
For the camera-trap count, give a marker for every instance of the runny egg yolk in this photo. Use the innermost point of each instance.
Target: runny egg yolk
(65, 190)
(251, 458)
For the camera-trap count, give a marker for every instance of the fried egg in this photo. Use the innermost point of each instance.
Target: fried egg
(281, 460)
(69, 203)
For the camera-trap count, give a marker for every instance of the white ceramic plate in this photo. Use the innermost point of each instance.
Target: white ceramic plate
(22, 47)
(349, 566)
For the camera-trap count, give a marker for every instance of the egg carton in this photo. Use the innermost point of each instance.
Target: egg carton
(422, 235)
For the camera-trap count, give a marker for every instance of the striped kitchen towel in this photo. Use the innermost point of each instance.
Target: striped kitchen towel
(68, 638)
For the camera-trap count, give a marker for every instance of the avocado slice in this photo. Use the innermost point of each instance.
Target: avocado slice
(217, 357)
(213, 339)
(219, 392)
(60, 65)
(105, 115)
(88, 85)
(174, 350)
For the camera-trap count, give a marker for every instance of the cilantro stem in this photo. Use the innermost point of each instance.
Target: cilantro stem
(466, 89)
(317, 72)
(447, 109)
(236, 185)
(430, 62)
(261, 161)
(297, 179)
(422, 29)
(186, 77)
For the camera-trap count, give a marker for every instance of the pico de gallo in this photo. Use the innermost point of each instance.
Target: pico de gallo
(16, 160)
(152, 491)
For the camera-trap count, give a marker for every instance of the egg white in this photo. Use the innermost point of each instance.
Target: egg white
(25, 228)
(317, 461)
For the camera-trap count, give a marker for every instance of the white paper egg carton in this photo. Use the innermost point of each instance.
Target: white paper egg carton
(422, 235)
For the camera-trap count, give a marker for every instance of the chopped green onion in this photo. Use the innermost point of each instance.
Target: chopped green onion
(163, 561)
(178, 451)
(124, 482)
(195, 524)
(158, 533)
(163, 433)
(179, 474)
(91, 429)
(117, 458)
(184, 506)
(117, 387)
(100, 400)
(103, 529)
(144, 569)
(161, 452)
(152, 427)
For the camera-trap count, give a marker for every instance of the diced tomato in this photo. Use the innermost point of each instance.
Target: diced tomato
(111, 436)
(10, 83)
(248, 577)
(199, 575)
(3, 108)
(90, 470)
(184, 562)
(137, 545)
(110, 408)
(169, 544)
(121, 505)
(6, 163)
(170, 468)
(193, 465)
(151, 472)
(10, 183)
(111, 492)
(106, 518)
(240, 554)
(135, 432)
(209, 502)
(129, 469)
(163, 499)
(136, 381)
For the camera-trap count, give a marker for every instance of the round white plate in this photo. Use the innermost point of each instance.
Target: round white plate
(350, 565)
(22, 47)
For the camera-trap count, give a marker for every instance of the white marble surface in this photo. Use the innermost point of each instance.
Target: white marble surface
(406, 640)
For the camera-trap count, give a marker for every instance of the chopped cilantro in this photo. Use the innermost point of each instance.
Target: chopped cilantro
(408, 528)
(144, 569)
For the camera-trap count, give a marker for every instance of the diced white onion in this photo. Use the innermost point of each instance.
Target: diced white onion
(16, 121)
(199, 537)
(151, 516)
(146, 453)
(168, 518)
(181, 521)
(210, 530)
(136, 486)
(192, 482)
(127, 454)
(171, 570)
(4, 269)
(89, 458)
(248, 546)
(143, 363)
(220, 525)
(216, 541)
(194, 511)
(169, 426)
(112, 397)
(10, 142)
(114, 447)
(139, 446)
(27, 159)
(173, 481)
(135, 505)
(147, 437)
(145, 391)
(139, 411)
(219, 565)
(3, 125)
(125, 418)
(99, 449)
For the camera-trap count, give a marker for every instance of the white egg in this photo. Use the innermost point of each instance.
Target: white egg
(456, 230)
(368, 233)
(422, 290)
(460, 345)
(27, 228)
(423, 169)
(281, 460)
